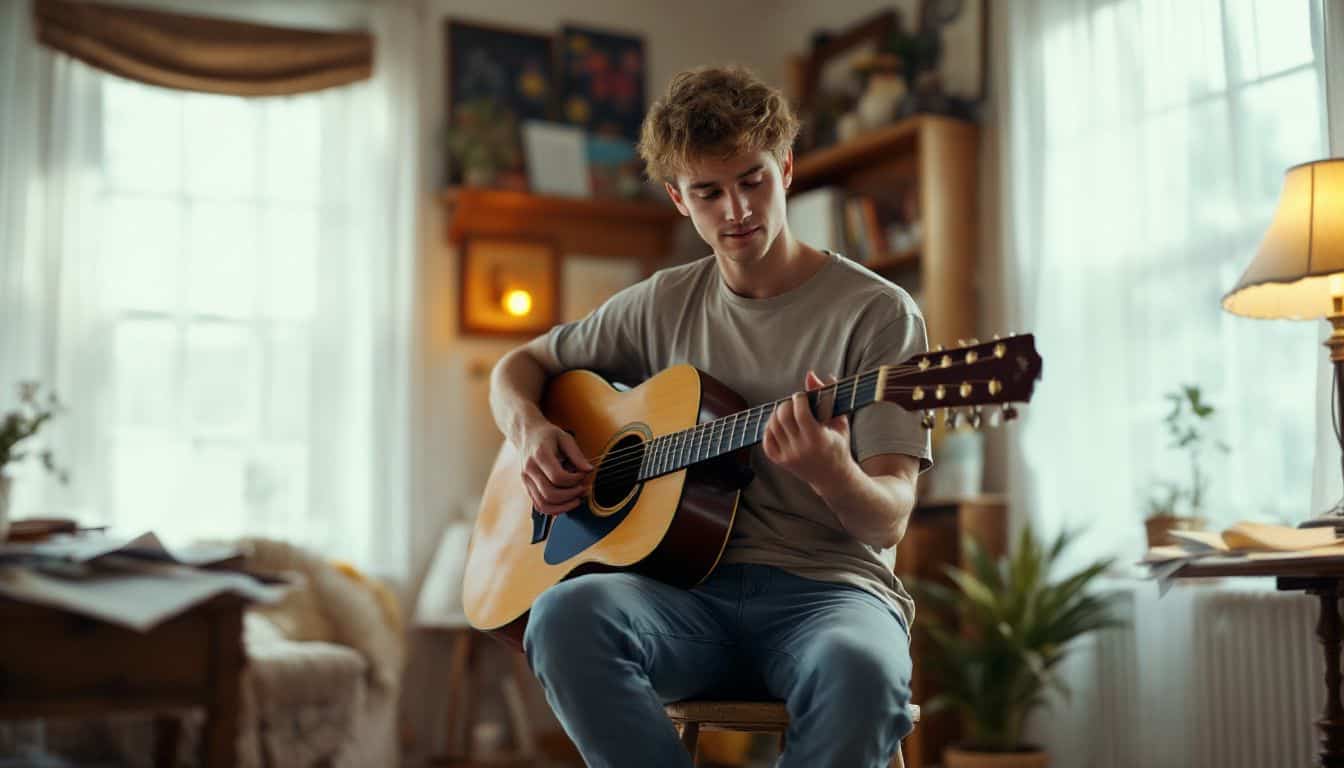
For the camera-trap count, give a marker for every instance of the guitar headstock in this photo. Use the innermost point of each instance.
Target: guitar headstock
(971, 376)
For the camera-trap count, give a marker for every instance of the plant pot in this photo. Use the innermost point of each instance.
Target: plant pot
(4, 507)
(954, 757)
(1159, 526)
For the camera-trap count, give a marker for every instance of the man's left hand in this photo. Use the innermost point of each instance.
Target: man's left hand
(816, 452)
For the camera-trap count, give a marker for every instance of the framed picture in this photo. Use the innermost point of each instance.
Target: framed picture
(508, 286)
(497, 76)
(602, 81)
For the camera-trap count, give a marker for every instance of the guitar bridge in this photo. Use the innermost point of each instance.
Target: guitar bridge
(541, 526)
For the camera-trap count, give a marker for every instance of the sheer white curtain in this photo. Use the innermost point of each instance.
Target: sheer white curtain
(1143, 145)
(221, 290)
(1146, 143)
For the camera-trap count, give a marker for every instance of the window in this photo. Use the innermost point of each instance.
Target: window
(211, 232)
(1162, 134)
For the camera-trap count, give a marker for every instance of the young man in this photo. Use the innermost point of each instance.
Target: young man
(803, 605)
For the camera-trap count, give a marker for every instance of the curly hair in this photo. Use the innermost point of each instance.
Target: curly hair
(714, 112)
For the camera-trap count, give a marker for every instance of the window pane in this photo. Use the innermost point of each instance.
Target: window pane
(223, 379)
(1281, 126)
(291, 252)
(142, 138)
(1282, 34)
(276, 488)
(291, 350)
(223, 260)
(216, 479)
(222, 155)
(293, 141)
(148, 469)
(145, 373)
(141, 252)
(1183, 46)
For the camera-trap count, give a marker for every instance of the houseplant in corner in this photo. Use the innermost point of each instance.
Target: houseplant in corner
(1179, 507)
(997, 634)
(17, 426)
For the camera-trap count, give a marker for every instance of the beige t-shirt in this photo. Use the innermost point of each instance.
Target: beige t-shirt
(843, 320)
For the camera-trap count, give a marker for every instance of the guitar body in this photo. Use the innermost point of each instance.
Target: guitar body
(673, 527)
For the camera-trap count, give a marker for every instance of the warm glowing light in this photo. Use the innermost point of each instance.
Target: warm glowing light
(517, 302)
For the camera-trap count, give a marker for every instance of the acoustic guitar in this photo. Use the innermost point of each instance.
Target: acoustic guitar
(670, 458)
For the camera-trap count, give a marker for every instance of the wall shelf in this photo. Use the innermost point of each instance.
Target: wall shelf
(631, 229)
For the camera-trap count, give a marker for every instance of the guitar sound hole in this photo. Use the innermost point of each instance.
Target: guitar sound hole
(619, 471)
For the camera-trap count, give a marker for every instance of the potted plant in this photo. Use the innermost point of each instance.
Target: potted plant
(997, 634)
(17, 426)
(483, 141)
(1187, 426)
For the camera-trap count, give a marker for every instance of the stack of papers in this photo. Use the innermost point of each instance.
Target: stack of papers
(1242, 542)
(132, 582)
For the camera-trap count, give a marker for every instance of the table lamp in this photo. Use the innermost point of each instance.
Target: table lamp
(1298, 272)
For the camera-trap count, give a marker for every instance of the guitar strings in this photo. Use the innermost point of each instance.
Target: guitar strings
(690, 432)
(622, 463)
(625, 472)
(635, 453)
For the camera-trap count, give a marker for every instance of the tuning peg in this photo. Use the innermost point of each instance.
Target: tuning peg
(961, 342)
(976, 418)
(926, 421)
(938, 348)
(974, 342)
(996, 337)
(952, 418)
(1009, 412)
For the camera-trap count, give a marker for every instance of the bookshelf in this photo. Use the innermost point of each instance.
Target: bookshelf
(932, 160)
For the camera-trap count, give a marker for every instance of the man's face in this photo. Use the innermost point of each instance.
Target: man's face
(736, 204)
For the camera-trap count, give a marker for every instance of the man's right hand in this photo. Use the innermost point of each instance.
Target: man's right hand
(554, 469)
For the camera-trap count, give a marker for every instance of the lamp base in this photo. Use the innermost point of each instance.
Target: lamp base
(1331, 518)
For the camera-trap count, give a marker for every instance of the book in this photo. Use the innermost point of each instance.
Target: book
(815, 218)
(1259, 537)
(856, 231)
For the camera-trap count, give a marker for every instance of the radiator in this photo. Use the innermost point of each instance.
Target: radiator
(1257, 679)
(1202, 678)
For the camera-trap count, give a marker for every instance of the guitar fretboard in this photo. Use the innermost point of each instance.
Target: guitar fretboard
(711, 439)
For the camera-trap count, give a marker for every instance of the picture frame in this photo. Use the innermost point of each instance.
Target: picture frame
(603, 76)
(501, 72)
(489, 266)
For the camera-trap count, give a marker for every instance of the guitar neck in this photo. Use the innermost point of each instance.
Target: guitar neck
(712, 439)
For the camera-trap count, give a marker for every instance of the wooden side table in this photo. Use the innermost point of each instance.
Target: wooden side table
(1325, 580)
(55, 663)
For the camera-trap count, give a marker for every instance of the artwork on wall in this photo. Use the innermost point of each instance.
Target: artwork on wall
(508, 285)
(496, 79)
(602, 80)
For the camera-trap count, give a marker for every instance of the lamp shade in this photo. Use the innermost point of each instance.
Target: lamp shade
(1291, 276)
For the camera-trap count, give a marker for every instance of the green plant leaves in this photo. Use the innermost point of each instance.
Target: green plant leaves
(1001, 628)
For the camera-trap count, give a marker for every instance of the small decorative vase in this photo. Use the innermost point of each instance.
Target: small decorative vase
(4, 507)
(877, 106)
(961, 758)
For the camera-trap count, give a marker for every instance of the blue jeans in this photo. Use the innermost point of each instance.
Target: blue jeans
(610, 649)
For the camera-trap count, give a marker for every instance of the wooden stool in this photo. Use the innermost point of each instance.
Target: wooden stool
(691, 717)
